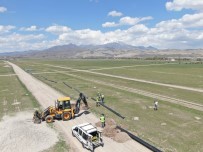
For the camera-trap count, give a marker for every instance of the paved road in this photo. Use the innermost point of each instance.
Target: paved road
(46, 97)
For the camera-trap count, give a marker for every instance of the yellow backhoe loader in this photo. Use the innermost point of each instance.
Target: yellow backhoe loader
(62, 110)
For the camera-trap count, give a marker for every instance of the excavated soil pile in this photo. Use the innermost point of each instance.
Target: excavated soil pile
(19, 134)
(112, 132)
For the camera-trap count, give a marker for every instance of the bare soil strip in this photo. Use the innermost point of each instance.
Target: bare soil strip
(184, 103)
(192, 75)
(46, 72)
(6, 75)
(46, 97)
(120, 67)
(131, 79)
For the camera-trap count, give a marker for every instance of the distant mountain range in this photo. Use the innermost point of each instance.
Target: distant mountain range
(109, 50)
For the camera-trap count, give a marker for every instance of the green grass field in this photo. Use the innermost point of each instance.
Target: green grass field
(171, 128)
(12, 89)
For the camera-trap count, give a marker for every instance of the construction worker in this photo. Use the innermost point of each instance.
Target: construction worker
(102, 98)
(155, 104)
(102, 119)
(99, 95)
(97, 101)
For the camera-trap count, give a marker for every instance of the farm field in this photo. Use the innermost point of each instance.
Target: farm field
(173, 127)
(17, 106)
(13, 91)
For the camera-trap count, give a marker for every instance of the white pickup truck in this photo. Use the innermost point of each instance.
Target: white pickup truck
(88, 135)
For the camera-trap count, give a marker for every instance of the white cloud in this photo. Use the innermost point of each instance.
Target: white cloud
(139, 35)
(187, 21)
(133, 35)
(7, 28)
(15, 37)
(31, 28)
(109, 24)
(178, 5)
(3, 9)
(57, 29)
(85, 36)
(132, 21)
(20, 42)
(192, 20)
(139, 28)
(126, 21)
(115, 14)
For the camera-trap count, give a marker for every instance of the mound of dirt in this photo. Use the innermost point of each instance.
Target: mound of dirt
(18, 133)
(122, 137)
(112, 132)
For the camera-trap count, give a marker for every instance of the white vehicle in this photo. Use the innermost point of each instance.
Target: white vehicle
(88, 135)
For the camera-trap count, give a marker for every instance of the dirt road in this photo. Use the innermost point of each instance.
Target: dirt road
(46, 96)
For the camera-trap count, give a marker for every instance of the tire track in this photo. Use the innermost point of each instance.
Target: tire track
(130, 66)
(181, 102)
(4, 105)
(16, 103)
(131, 79)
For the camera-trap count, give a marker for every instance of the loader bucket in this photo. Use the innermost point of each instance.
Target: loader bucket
(37, 117)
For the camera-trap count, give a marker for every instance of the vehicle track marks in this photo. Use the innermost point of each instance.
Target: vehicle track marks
(184, 103)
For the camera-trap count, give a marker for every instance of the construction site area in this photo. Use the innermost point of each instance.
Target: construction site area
(46, 103)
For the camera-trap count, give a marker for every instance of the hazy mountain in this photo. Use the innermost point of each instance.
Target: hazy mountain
(109, 50)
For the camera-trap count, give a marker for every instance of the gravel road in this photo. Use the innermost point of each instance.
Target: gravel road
(46, 97)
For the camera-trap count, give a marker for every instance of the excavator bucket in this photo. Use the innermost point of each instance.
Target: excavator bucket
(77, 105)
(37, 117)
(84, 99)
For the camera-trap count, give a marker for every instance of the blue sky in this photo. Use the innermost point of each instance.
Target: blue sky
(38, 24)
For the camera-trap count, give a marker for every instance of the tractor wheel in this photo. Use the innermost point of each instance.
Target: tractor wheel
(73, 134)
(102, 144)
(49, 119)
(92, 150)
(83, 145)
(66, 116)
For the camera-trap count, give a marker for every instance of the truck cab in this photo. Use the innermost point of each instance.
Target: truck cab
(88, 135)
